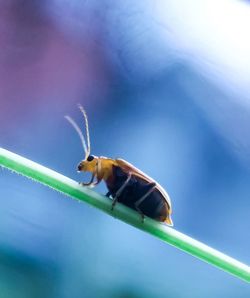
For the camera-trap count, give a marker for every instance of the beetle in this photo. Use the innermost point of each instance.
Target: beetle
(126, 183)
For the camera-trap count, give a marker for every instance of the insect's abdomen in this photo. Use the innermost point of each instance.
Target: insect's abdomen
(154, 205)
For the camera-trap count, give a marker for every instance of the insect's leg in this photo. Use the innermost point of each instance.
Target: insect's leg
(119, 191)
(96, 182)
(138, 202)
(141, 213)
(108, 194)
(90, 182)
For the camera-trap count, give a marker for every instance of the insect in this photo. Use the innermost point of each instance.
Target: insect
(126, 184)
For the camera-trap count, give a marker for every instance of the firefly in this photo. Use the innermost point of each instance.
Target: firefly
(126, 184)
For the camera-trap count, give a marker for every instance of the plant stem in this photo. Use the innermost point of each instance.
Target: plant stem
(72, 188)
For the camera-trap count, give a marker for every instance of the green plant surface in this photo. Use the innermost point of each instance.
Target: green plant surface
(72, 188)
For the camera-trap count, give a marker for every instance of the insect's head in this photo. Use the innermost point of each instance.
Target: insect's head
(89, 163)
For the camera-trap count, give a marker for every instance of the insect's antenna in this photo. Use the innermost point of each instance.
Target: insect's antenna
(87, 128)
(78, 130)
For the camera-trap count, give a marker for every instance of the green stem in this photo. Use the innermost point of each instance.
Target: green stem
(71, 188)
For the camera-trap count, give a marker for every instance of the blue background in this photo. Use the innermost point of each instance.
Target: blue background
(166, 86)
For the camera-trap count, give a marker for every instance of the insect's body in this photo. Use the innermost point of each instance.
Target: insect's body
(129, 186)
(126, 184)
(155, 205)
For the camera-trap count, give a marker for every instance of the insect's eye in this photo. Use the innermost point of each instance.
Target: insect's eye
(90, 158)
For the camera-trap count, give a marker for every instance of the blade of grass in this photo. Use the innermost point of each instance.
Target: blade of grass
(71, 188)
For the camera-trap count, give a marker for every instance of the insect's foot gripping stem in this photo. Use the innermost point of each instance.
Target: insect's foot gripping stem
(141, 213)
(142, 218)
(84, 184)
(108, 194)
(113, 204)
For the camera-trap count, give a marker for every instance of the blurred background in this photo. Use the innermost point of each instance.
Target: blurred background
(166, 85)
